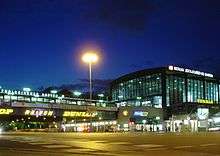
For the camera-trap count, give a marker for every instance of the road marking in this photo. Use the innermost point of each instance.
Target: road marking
(120, 143)
(57, 146)
(40, 143)
(24, 140)
(155, 149)
(149, 145)
(181, 147)
(99, 141)
(107, 154)
(205, 145)
(80, 150)
(33, 142)
(74, 141)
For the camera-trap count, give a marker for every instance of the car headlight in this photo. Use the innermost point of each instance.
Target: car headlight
(1, 130)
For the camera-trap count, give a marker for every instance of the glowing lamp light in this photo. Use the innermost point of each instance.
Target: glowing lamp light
(139, 98)
(144, 121)
(77, 93)
(53, 91)
(157, 118)
(90, 57)
(125, 113)
(26, 89)
(101, 95)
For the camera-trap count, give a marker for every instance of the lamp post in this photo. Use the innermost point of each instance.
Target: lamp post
(90, 58)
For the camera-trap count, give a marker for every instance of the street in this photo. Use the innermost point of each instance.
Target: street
(109, 144)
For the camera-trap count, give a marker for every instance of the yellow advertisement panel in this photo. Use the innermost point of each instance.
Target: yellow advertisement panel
(6, 111)
(33, 112)
(205, 101)
(78, 114)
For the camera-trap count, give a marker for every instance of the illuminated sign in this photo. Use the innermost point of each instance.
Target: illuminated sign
(140, 113)
(6, 111)
(203, 113)
(125, 113)
(38, 112)
(78, 114)
(27, 91)
(205, 101)
(196, 72)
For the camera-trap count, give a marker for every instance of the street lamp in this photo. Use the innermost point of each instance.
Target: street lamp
(90, 58)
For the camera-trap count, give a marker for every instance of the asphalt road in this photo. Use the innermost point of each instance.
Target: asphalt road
(109, 144)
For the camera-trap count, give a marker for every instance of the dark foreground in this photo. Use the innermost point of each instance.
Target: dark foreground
(106, 144)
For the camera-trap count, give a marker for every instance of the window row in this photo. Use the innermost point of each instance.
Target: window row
(180, 90)
(136, 88)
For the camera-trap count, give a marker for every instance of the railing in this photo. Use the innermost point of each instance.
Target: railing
(31, 100)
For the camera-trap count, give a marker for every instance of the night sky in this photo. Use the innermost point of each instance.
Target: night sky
(41, 40)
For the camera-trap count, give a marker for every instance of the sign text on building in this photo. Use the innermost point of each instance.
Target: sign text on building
(140, 113)
(205, 101)
(6, 111)
(196, 72)
(38, 112)
(78, 114)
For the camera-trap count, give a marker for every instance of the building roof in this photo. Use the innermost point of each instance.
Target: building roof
(139, 73)
(171, 69)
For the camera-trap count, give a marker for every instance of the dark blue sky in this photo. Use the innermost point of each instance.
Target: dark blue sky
(41, 40)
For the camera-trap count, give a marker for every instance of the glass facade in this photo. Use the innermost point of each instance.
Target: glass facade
(212, 92)
(144, 90)
(197, 90)
(183, 90)
(178, 88)
(175, 90)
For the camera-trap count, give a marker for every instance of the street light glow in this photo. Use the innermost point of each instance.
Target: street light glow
(53, 91)
(26, 89)
(90, 57)
(77, 93)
